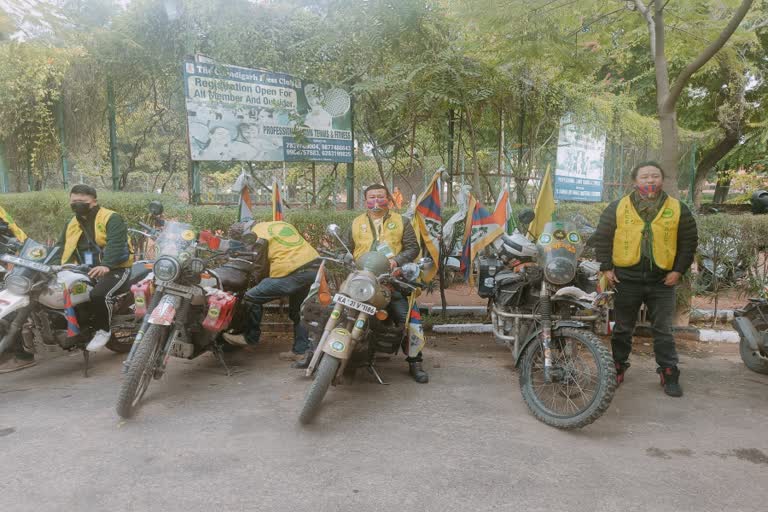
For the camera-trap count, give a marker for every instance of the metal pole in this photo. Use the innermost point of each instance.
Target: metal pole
(29, 171)
(3, 171)
(195, 182)
(451, 126)
(314, 185)
(112, 134)
(351, 186)
(62, 147)
(692, 191)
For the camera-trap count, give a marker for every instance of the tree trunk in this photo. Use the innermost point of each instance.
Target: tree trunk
(708, 162)
(475, 166)
(669, 151)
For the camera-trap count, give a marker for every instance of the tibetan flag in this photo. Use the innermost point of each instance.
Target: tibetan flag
(481, 229)
(545, 206)
(73, 326)
(277, 203)
(502, 203)
(243, 186)
(429, 223)
(415, 340)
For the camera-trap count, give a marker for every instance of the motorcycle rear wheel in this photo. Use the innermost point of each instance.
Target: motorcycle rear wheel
(327, 369)
(567, 404)
(140, 372)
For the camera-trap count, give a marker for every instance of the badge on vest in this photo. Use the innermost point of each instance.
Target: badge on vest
(391, 225)
(667, 213)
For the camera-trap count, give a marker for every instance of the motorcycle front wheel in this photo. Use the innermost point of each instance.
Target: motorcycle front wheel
(140, 372)
(326, 370)
(583, 383)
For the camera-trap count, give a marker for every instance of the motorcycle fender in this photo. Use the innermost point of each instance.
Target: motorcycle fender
(557, 325)
(165, 312)
(10, 303)
(339, 344)
(746, 330)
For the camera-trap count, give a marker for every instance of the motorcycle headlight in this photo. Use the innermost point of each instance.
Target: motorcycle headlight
(410, 271)
(166, 268)
(560, 271)
(361, 289)
(196, 265)
(18, 285)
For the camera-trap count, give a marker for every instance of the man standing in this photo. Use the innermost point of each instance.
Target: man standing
(97, 237)
(645, 242)
(389, 233)
(286, 267)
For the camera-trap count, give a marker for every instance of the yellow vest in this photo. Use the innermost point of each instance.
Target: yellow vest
(629, 232)
(288, 250)
(364, 235)
(74, 232)
(16, 230)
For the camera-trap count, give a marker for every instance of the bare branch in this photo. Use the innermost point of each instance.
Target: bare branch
(706, 55)
(651, 25)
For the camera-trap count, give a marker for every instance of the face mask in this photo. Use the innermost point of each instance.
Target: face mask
(376, 204)
(80, 208)
(647, 190)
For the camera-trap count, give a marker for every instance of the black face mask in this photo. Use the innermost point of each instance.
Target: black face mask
(81, 209)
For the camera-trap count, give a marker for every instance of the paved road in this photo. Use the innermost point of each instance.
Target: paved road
(463, 442)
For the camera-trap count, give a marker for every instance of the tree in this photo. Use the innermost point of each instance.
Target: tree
(668, 91)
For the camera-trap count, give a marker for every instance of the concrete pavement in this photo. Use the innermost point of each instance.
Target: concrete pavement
(463, 442)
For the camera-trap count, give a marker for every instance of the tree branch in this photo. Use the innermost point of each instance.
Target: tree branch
(651, 24)
(706, 55)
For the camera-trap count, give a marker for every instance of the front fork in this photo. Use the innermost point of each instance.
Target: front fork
(356, 332)
(546, 330)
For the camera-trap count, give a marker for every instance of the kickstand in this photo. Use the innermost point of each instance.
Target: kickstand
(86, 357)
(220, 357)
(372, 371)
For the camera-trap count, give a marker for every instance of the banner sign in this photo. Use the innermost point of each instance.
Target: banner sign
(580, 158)
(242, 114)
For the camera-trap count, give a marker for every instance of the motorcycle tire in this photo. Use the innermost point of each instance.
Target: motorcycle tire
(605, 382)
(751, 360)
(327, 369)
(140, 372)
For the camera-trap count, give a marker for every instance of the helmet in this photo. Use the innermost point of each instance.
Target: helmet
(374, 262)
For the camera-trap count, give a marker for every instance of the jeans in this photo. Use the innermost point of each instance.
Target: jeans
(660, 300)
(295, 286)
(398, 308)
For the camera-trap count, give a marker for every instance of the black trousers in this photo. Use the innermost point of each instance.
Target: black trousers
(660, 301)
(99, 309)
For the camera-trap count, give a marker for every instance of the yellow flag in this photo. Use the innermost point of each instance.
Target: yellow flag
(545, 205)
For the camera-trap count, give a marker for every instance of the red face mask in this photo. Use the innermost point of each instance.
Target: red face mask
(376, 204)
(647, 190)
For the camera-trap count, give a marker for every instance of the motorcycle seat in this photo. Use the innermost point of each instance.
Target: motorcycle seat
(234, 275)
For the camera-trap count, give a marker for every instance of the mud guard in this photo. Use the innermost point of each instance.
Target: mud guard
(338, 344)
(559, 324)
(746, 330)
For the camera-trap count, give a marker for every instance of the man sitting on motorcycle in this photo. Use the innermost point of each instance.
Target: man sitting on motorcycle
(286, 266)
(97, 237)
(379, 229)
(17, 358)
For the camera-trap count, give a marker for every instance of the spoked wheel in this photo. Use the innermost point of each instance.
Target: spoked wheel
(140, 372)
(583, 380)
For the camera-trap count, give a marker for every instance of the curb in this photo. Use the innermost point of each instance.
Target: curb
(685, 333)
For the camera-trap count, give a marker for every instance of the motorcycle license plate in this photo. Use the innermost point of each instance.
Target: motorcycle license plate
(359, 306)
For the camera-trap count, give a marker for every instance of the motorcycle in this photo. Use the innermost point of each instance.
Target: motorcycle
(751, 322)
(356, 325)
(41, 302)
(185, 306)
(542, 313)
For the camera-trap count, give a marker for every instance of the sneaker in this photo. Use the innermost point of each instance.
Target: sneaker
(621, 369)
(98, 341)
(290, 356)
(14, 363)
(235, 339)
(670, 379)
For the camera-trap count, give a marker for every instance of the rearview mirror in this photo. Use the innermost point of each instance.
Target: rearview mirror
(526, 216)
(333, 229)
(426, 263)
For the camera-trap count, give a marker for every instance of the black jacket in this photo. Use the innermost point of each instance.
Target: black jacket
(602, 241)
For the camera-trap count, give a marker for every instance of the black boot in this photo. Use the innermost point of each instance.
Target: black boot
(304, 363)
(418, 373)
(670, 379)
